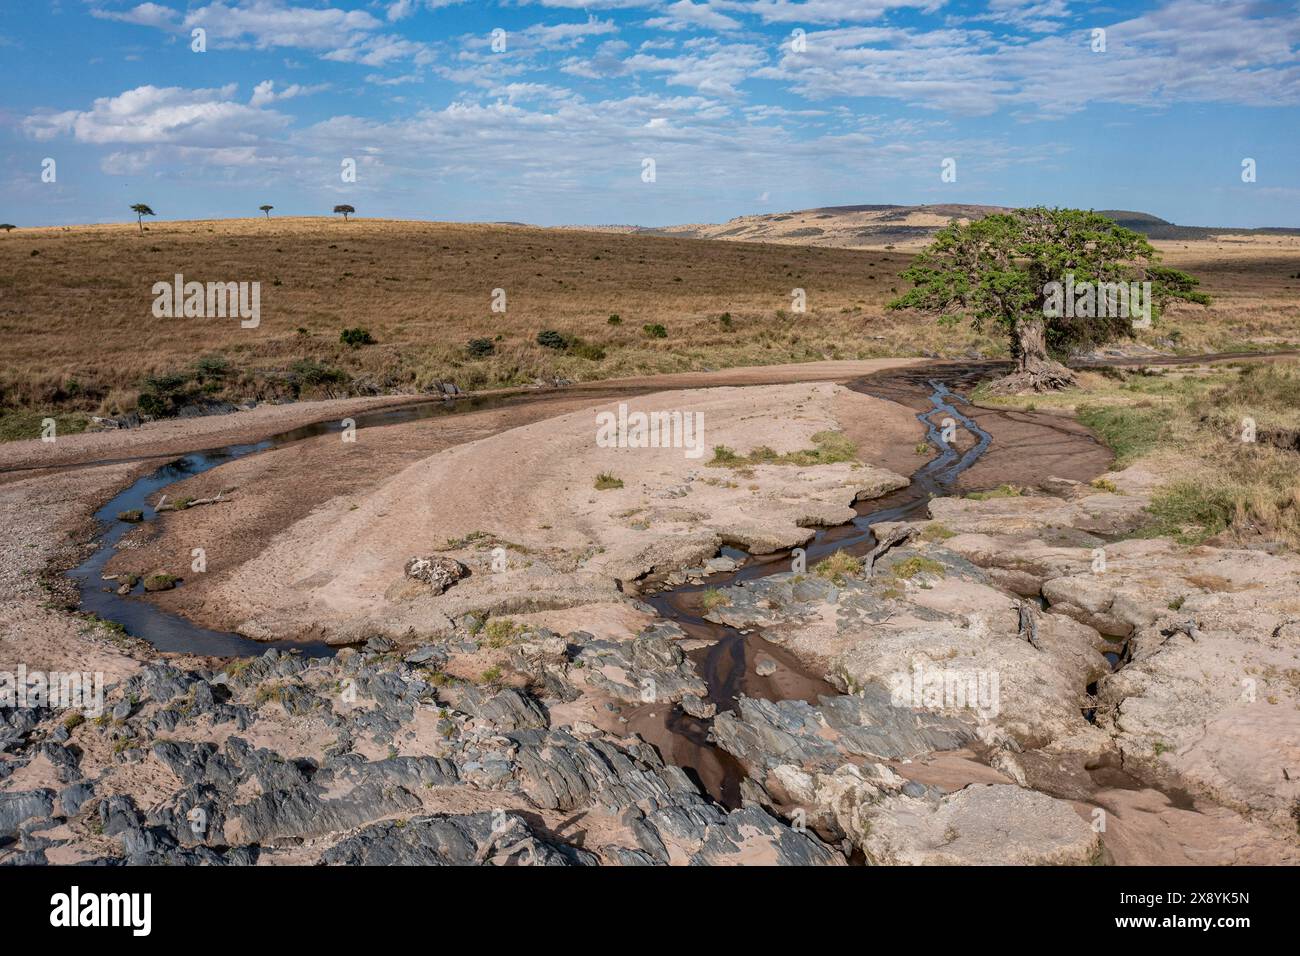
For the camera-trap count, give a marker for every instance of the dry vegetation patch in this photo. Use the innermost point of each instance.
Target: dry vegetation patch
(416, 299)
(1228, 436)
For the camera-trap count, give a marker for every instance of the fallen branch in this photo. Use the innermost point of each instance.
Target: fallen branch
(183, 505)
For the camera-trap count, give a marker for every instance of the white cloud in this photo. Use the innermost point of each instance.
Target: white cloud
(265, 92)
(1040, 16)
(553, 35)
(705, 64)
(401, 9)
(1184, 52)
(155, 115)
(685, 15)
(144, 14)
(833, 11)
(274, 23)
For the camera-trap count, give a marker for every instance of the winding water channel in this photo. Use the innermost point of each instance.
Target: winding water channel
(726, 663)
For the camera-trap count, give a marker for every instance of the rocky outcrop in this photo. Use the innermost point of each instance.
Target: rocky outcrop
(979, 825)
(365, 759)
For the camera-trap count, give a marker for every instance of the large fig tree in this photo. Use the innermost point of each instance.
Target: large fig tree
(1055, 280)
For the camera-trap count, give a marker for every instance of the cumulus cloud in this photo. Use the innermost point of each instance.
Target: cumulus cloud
(153, 115)
(144, 14)
(265, 92)
(686, 15)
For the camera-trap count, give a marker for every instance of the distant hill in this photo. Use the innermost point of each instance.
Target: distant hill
(877, 226)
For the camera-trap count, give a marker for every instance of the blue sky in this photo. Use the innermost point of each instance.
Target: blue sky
(745, 106)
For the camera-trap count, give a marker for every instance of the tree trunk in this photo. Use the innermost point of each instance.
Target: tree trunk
(1036, 371)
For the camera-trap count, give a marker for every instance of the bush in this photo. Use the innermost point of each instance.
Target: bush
(550, 339)
(615, 320)
(655, 331)
(356, 337)
(480, 348)
(212, 366)
(152, 406)
(162, 395)
(311, 372)
(605, 481)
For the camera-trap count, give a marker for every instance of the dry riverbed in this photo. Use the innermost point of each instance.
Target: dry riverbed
(493, 717)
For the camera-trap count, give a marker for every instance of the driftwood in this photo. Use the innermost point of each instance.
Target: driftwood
(892, 540)
(215, 500)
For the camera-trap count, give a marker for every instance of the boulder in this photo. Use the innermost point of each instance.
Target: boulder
(437, 571)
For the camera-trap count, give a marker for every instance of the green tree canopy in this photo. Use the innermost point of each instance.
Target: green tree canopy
(141, 210)
(1028, 271)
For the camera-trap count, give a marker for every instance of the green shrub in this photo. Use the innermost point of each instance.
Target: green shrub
(311, 372)
(480, 348)
(550, 339)
(655, 331)
(605, 481)
(212, 366)
(356, 337)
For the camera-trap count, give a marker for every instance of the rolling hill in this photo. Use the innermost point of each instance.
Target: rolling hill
(885, 226)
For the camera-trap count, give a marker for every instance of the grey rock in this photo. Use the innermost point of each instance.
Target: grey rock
(437, 571)
(506, 710)
(503, 839)
(18, 808)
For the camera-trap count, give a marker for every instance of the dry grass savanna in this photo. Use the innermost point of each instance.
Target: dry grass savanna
(1225, 436)
(81, 338)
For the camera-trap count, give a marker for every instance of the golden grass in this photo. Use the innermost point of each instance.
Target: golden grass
(1189, 424)
(79, 335)
(79, 331)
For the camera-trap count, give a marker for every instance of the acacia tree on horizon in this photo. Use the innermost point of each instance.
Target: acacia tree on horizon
(266, 209)
(346, 210)
(141, 210)
(7, 226)
(1000, 269)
